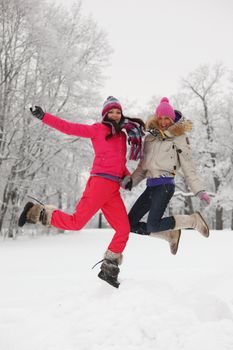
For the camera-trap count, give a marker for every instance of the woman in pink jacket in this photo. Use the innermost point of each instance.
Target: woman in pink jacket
(102, 188)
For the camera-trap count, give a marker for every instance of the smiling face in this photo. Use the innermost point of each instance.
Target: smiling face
(115, 114)
(164, 123)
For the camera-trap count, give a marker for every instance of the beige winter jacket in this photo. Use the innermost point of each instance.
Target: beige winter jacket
(164, 154)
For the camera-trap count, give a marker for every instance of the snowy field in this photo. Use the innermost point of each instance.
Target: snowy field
(51, 299)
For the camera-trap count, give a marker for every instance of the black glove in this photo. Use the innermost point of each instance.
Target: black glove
(37, 112)
(127, 183)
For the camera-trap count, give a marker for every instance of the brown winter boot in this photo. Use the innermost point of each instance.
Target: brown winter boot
(109, 268)
(36, 213)
(171, 236)
(195, 221)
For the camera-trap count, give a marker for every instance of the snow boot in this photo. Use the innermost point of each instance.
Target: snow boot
(195, 221)
(36, 213)
(23, 216)
(172, 236)
(109, 268)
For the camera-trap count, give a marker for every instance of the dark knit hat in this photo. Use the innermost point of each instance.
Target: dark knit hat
(109, 104)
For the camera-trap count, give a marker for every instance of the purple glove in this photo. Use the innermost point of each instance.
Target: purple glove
(203, 196)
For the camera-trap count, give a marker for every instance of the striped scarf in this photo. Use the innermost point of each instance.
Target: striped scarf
(134, 132)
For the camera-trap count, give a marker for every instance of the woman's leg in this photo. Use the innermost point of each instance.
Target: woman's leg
(138, 210)
(161, 195)
(97, 192)
(115, 212)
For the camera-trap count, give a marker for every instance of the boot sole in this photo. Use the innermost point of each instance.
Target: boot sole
(112, 281)
(208, 232)
(23, 216)
(174, 251)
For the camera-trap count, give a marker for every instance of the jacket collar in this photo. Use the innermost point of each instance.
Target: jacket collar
(177, 129)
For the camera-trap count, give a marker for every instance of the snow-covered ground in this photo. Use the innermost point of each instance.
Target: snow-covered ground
(51, 299)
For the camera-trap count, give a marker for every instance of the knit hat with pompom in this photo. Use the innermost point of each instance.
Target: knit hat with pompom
(109, 104)
(164, 109)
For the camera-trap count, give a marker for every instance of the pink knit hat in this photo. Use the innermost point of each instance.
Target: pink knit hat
(164, 109)
(109, 104)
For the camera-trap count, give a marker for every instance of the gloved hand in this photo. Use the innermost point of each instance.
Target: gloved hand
(37, 112)
(203, 196)
(127, 183)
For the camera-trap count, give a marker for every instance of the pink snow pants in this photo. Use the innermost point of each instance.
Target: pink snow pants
(100, 193)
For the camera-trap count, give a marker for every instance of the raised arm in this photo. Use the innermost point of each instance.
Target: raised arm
(69, 128)
(75, 129)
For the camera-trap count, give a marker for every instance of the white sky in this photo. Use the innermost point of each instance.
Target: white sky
(156, 42)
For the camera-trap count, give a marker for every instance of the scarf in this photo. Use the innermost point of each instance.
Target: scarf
(135, 134)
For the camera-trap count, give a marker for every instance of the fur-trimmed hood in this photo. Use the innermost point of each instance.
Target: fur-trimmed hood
(176, 129)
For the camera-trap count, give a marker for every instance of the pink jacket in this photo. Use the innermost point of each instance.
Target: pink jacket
(110, 155)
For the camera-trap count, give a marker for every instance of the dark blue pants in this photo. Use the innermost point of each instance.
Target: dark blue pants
(153, 200)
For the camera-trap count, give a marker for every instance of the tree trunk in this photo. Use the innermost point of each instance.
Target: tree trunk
(219, 218)
(232, 219)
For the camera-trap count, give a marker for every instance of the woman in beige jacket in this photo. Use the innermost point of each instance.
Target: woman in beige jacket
(166, 149)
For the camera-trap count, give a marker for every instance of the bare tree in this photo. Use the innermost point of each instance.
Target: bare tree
(204, 85)
(55, 59)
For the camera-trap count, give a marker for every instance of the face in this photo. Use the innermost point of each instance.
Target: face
(164, 123)
(115, 114)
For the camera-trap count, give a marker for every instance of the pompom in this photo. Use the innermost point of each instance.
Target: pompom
(164, 99)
